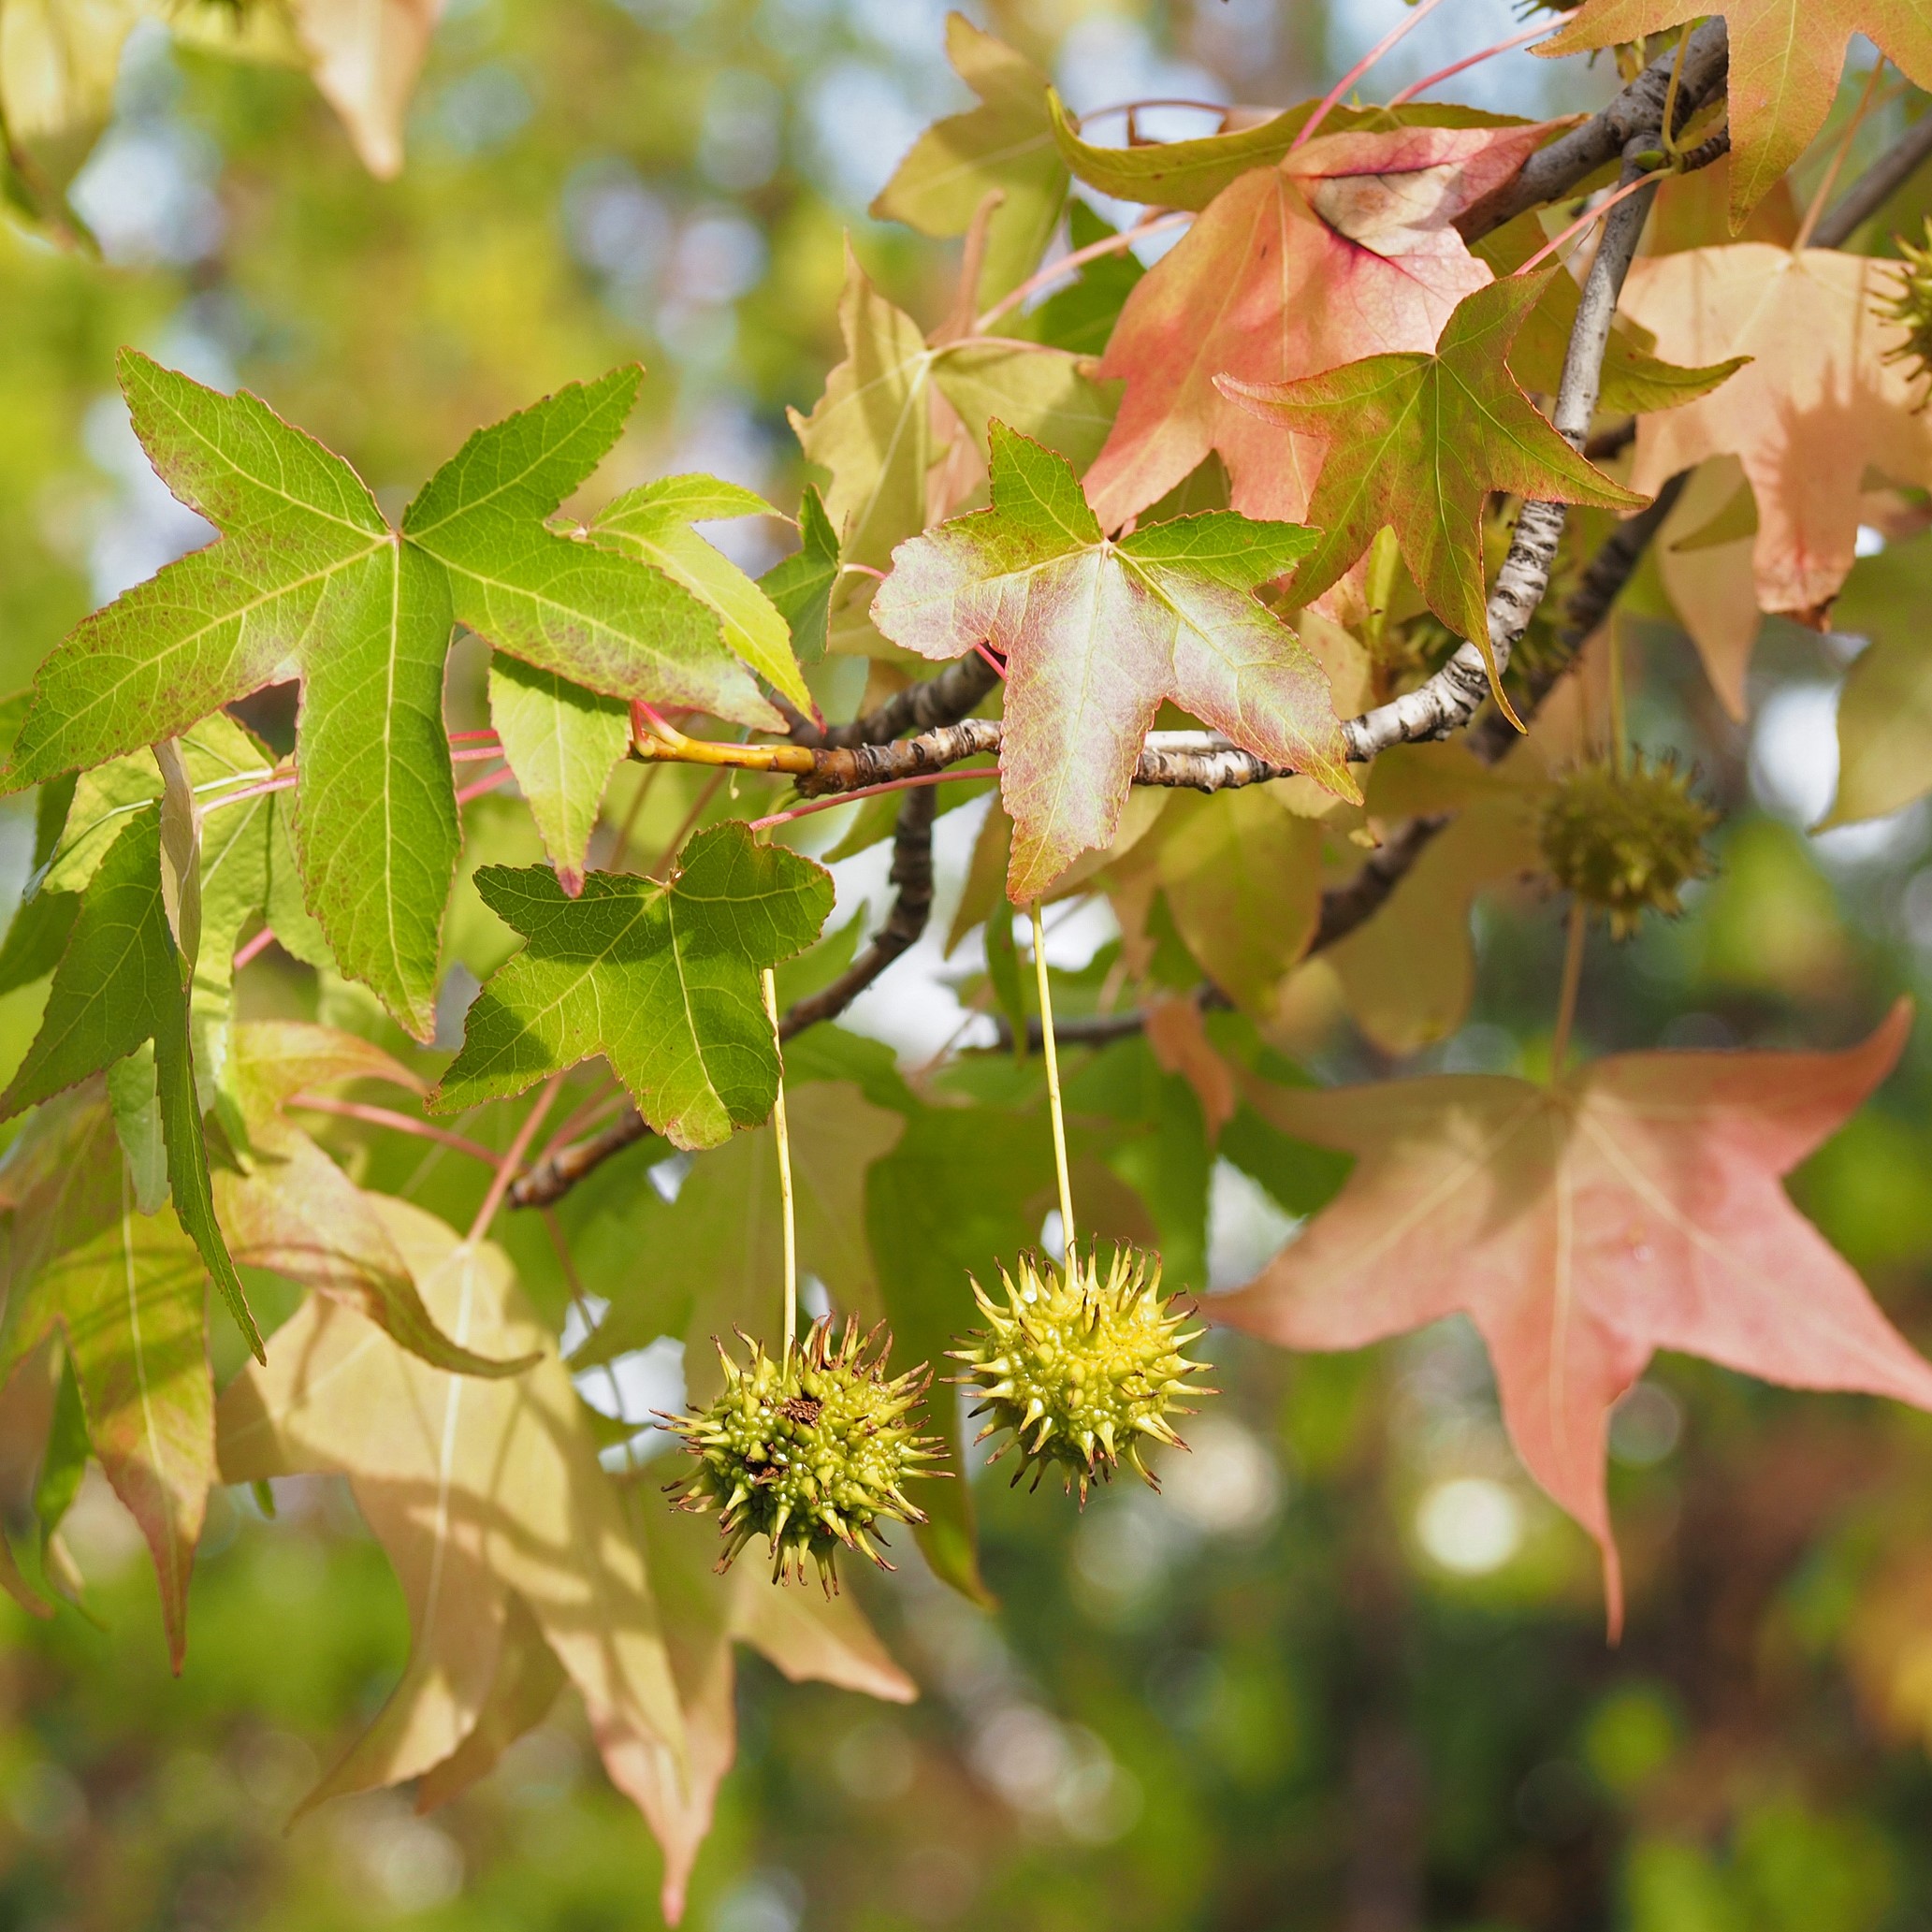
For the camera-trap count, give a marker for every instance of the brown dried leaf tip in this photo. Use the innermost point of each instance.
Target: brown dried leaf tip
(1080, 1369)
(1627, 842)
(808, 1451)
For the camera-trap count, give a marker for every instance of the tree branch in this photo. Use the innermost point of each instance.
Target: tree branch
(955, 693)
(1636, 113)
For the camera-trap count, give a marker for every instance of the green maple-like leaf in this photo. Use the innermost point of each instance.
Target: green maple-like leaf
(662, 979)
(1417, 442)
(121, 982)
(800, 586)
(1786, 56)
(653, 523)
(1004, 144)
(1097, 634)
(306, 572)
(128, 1295)
(605, 621)
(562, 742)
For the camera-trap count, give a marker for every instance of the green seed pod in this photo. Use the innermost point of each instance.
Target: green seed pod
(1627, 843)
(808, 1451)
(1912, 309)
(1080, 1369)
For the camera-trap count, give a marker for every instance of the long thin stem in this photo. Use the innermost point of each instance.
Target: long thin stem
(1053, 1058)
(1589, 216)
(253, 949)
(401, 1123)
(1108, 244)
(1668, 129)
(1573, 979)
(1093, 115)
(783, 1129)
(513, 1158)
(826, 804)
(485, 784)
(1335, 95)
(1470, 60)
(1815, 207)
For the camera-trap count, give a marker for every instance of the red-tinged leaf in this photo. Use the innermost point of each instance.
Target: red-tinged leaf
(1417, 441)
(1786, 56)
(1818, 406)
(1634, 1205)
(1346, 249)
(1095, 635)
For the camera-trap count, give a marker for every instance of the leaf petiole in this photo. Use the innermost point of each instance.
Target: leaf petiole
(1053, 1060)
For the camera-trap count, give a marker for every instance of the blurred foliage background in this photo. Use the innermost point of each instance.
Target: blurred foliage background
(1350, 1672)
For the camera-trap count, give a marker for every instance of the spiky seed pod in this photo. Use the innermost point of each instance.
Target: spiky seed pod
(1080, 1369)
(809, 1451)
(1626, 843)
(1912, 309)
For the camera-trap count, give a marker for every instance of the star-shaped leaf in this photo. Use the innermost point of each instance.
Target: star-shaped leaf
(662, 979)
(1096, 633)
(1419, 442)
(1346, 248)
(1006, 144)
(1633, 1205)
(1786, 56)
(608, 622)
(306, 572)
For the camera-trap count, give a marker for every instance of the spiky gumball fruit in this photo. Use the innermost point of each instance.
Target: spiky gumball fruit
(1080, 1369)
(1912, 309)
(808, 1451)
(1626, 842)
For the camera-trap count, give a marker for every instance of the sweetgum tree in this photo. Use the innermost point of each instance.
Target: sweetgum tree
(1280, 594)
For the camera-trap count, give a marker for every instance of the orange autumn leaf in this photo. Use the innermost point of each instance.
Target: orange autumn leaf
(1633, 1205)
(1815, 409)
(1344, 250)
